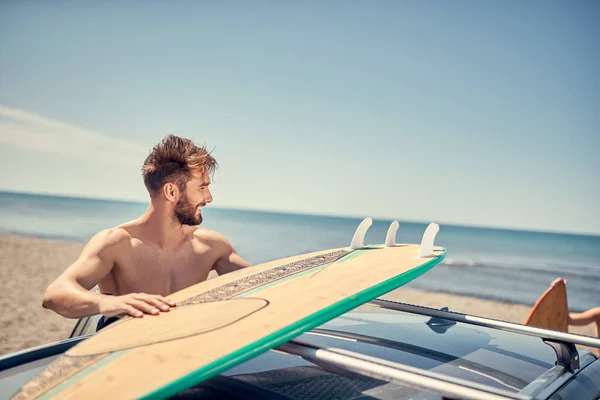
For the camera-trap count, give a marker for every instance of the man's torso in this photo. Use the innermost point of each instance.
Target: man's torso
(143, 267)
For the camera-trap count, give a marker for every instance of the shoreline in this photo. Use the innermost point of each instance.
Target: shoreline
(28, 264)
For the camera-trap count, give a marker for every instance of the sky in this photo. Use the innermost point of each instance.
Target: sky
(482, 113)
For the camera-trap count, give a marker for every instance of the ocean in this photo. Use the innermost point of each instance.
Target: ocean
(506, 265)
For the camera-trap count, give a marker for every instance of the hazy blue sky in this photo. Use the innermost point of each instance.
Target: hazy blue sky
(472, 112)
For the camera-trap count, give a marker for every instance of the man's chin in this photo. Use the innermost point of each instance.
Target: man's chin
(190, 221)
(192, 225)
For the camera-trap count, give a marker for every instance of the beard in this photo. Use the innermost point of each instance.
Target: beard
(185, 212)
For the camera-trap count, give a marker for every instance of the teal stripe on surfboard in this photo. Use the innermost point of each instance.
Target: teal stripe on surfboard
(291, 331)
(349, 256)
(356, 253)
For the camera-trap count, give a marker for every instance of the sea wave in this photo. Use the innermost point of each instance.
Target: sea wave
(579, 268)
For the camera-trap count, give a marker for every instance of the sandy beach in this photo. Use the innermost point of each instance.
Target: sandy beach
(28, 265)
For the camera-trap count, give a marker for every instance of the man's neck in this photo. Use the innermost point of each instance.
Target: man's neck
(159, 226)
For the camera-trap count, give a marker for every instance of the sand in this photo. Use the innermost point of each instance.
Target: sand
(28, 265)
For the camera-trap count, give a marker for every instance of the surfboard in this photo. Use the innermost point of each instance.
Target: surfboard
(551, 310)
(225, 321)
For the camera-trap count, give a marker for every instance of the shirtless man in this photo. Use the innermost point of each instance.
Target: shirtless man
(137, 264)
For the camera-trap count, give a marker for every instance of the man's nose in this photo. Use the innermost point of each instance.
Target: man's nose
(209, 198)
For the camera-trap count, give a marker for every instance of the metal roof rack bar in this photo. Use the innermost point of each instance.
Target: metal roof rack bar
(501, 377)
(389, 371)
(490, 323)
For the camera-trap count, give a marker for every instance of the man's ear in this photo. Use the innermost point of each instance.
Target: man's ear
(171, 192)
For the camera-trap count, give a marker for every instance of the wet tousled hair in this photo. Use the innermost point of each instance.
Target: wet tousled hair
(175, 160)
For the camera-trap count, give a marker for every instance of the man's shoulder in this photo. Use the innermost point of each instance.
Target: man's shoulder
(210, 238)
(111, 237)
(206, 235)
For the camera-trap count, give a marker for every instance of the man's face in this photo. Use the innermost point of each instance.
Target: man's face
(196, 194)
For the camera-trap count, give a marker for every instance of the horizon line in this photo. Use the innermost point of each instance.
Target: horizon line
(307, 213)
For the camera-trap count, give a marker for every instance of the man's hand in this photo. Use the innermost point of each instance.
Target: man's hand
(134, 304)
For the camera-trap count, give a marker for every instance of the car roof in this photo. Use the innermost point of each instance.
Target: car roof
(508, 362)
(498, 359)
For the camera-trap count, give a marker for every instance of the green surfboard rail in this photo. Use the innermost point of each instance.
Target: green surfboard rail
(291, 331)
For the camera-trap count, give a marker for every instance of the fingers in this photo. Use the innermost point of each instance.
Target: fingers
(143, 306)
(166, 301)
(138, 304)
(132, 311)
(157, 301)
(162, 302)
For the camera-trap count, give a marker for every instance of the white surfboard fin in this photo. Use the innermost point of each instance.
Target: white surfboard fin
(431, 231)
(390, 238)
(358, 241)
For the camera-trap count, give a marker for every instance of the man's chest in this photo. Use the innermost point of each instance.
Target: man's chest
(162, 272)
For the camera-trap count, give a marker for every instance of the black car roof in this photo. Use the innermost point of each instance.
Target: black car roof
(489, 358)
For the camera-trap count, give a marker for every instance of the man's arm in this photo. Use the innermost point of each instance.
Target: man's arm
(229, 260)
(70, 296)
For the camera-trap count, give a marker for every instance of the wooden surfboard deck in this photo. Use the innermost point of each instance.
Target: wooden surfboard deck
(223, 322)
(551, 310)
